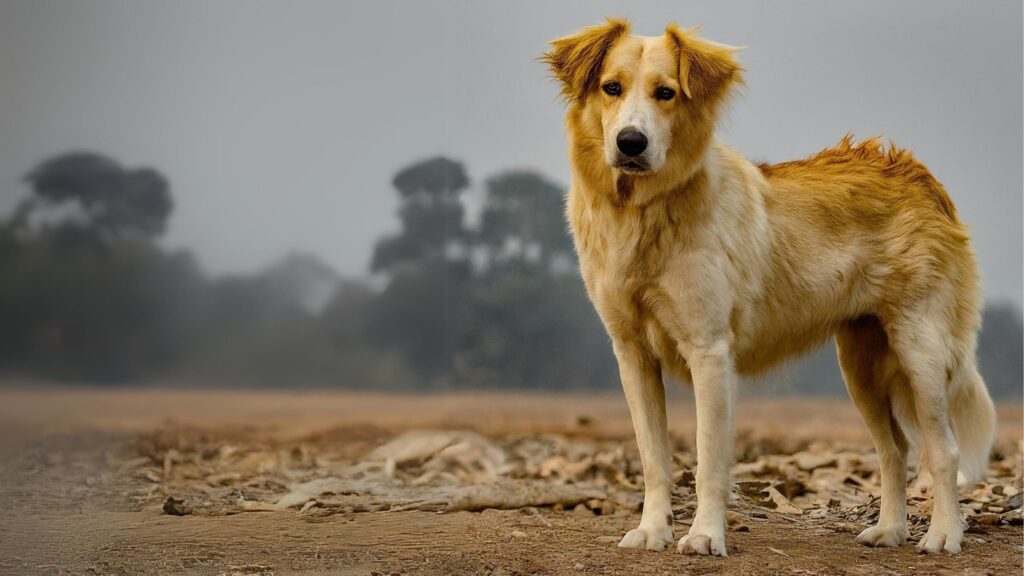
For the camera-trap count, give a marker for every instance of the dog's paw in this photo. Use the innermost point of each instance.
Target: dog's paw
(883, 536)
(652, 539)
(703, 543)
(941, 539)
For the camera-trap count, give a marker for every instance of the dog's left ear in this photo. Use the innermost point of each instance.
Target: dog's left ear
(576, 60)
(707, 70)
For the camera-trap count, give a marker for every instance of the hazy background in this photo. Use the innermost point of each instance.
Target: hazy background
(275, 129)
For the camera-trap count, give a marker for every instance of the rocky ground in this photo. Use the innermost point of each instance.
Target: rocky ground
(194, 483)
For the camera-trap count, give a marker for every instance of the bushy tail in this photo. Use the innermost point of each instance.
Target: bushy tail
(974, 423)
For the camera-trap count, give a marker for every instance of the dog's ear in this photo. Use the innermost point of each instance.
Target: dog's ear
(576, 60)
(707, 70)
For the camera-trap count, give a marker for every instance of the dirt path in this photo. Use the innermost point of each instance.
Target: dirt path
(459, 543)
(84, 478)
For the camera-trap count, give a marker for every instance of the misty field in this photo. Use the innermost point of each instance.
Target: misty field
(164, 482)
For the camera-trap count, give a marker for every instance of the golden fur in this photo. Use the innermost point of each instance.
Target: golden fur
(710, 266)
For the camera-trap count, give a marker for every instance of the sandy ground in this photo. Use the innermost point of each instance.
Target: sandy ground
(86, 478)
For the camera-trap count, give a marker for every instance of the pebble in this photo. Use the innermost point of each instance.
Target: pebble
(1013, 517)
(1014, 501)
(176, 507)
(988, 519)
(601, 507)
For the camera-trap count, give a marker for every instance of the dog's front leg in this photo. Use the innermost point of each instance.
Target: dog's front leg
(714, 386)
(645, 394)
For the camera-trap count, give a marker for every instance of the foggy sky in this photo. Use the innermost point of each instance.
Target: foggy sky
(281, 123)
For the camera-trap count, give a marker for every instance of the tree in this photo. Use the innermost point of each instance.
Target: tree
(431, 212)
(523, 217)
(528, 323)
(1000, 347)
(527, 327)
(111, 199)
(418, 312)
(84, 293)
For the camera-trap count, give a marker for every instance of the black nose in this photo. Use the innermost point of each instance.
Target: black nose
(631, 142)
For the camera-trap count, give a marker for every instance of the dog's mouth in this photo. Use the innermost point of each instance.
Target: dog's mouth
(633, 166)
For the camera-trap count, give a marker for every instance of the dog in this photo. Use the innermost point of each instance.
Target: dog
(706, 267)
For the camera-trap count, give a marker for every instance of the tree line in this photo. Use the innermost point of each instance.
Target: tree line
(88, 294)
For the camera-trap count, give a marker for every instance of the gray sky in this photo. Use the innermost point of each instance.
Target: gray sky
(280, 123)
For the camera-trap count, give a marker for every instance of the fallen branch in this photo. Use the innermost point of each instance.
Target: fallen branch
(508, 496)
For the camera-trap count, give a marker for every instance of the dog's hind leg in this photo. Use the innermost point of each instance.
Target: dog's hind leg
(921, 340)
(870, 370)
(645, 394)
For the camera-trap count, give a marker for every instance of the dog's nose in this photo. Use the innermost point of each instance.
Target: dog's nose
(631, 142)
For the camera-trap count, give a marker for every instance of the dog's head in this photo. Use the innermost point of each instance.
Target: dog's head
(651, 101)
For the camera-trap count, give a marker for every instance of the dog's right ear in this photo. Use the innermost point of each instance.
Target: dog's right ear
(576, 60)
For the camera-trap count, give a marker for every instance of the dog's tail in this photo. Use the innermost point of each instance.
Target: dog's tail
(972, 417)
(974, 422)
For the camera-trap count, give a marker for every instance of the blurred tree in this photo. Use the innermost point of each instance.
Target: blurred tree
(1000, 349)
(76, 307)
(523, 217)
(108, 197)
(84, 293)
(88, 295)
(528, 322)
(529, 328)
(419, 309)
(419, 314)
(431, 212)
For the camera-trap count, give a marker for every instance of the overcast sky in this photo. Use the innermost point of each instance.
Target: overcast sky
(281, 123)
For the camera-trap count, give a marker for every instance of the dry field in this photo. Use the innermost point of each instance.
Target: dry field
(158, 482)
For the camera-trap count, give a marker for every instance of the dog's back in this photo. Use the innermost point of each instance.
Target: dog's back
(856, 230)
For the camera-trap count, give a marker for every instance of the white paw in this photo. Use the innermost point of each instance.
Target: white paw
(705, 543)
(652, 539)
(883, 536)
(941, 539)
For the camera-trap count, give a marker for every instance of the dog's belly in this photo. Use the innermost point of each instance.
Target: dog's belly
(763, 333)
(758, 353)
(754, 351)
(768, 333)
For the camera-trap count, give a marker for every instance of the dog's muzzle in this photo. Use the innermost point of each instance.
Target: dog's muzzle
(631, 144)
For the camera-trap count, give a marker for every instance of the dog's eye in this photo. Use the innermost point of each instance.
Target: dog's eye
(663, 93)
(612, 88)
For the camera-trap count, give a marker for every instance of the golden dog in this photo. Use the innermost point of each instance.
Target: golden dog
(707, 267)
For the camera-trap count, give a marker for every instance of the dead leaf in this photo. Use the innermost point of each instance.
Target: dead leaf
(782, 504)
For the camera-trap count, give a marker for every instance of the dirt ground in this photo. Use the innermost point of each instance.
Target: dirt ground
(256, 483)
